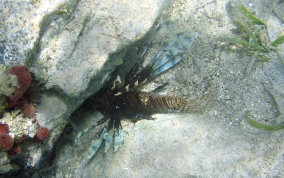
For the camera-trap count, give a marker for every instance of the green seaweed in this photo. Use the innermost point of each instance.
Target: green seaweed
(251, 33)
(278, 41)
(250, 16)
(264, 58)
(260, 125)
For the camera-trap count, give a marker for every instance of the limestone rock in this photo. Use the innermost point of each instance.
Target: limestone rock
(67, 46)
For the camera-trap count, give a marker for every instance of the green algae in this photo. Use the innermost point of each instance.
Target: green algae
(262, 126)
(278, 41)
(251, 35)
(250, 16)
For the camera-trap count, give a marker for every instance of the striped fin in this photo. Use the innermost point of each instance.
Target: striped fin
(168, 57)
(171, 54)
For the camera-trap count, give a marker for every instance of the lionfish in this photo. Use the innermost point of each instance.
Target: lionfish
(117, 99)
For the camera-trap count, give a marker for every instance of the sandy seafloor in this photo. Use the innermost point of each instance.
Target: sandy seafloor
(212, 139)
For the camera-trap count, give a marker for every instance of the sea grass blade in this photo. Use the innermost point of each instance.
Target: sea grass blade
(236, 40)
(260, 125)
(250, 16)
(264, 58)
(278, 41)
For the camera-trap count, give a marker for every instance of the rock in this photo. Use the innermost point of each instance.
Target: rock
(68, 45)
(187, 145)
(181, 145)
(80, 43)
(5, 165)
(76, 51)
(20, 26)
(216, 142)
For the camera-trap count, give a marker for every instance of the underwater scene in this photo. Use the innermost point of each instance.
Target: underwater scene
(154, 88)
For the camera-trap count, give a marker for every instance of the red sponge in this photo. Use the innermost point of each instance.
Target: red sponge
(15, 150)
(42, 133)
(4, 129)
(6, 142)
(24, 80)
(26, 108)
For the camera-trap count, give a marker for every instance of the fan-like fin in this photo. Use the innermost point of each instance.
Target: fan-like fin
(168, 57)
(172, 52)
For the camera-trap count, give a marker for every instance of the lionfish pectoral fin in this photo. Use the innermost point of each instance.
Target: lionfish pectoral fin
(108, 138)
(111, 137)
(165, 59)
(96, 145)
(83, 132)
(86, 130)
(105, 137)
(172, 53)
(118, 139)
